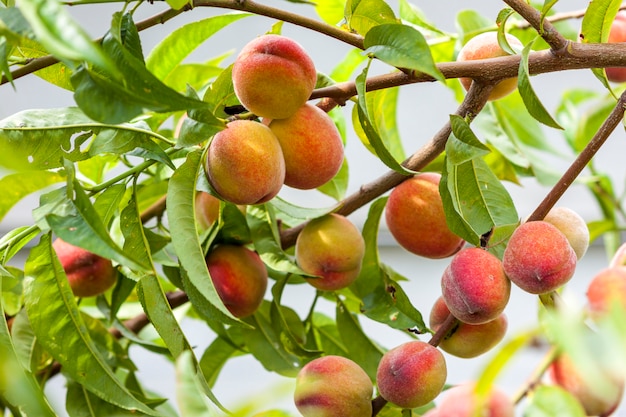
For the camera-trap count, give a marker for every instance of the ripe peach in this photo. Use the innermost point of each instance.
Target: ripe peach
(273, 76)
(415, 218)
(475, 287)
(607, 287)
(461, 401)
(485, 46)
(538, 258)
(467, 340)
(207, 209)
(617, 34)
(245, 164)
(332, 248)
(573, 226)
(88, 274)
(311, 145)
(333, 386)
(239, 276)
(411, 374)
(563, 372)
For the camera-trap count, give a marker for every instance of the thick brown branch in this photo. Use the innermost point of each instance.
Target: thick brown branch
(547, 31)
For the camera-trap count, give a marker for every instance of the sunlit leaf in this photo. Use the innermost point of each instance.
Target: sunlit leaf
(551, 400)
(17, 186)
(362, 15)
(189, 395)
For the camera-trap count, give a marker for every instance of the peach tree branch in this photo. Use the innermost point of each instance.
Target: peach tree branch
(544, 27)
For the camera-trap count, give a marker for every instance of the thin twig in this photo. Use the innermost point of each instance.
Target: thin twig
(544, 27)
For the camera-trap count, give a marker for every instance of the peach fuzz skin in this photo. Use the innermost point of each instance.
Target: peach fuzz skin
(333, 386)
(617, 34)
(331, 248)
(245, 164)
(607, 287)
(411, 374)
(415, 218)
(460, 401)
(485, 46)
(273, 76)
(467, 340)
(88, 274)
(538, 258)
(239, 276)
(573, 226)
(311, 145)
(475, 287)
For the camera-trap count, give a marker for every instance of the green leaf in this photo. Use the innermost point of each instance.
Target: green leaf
(82, 227)
(474, 199)
(190, 397)
(596, 26)
(180, 197)
(41, 139)
(18, 386)
(338, 185)
(382, 298)
(81, 403)
(370, 130)
(361, 349)
(470, 23)
(68, 340)
(534, 106)
(362, 15)
(552, 400)
(57, 74)
(403, 47)
(412, 14)
(331, 11)
(215, 357)
(17, 186)
(168, 54)
(177, 4)
(57, 31)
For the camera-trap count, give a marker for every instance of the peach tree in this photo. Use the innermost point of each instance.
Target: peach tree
(159, 201)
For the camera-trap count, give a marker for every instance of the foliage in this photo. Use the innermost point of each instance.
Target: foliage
(112, 177)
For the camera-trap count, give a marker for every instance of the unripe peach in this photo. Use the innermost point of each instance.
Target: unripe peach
(617, 34)
(273, 76)
(333, 386)
(573, 226)
(462, 401)
(467, 340)
(564, 373)
(485, 46)
(245, 164)
(538, 258)
(311, 145)
(411, 374)
(475, 287)
(332, 248)
(239, 276)
(415, 218)
(606, 288)
(88, 274)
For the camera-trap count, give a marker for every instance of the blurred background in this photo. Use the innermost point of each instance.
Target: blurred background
(424, 108)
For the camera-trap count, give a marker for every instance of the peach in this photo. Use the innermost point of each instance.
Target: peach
(331, 248)
(245, 164)
(538, 258)
(606, 288)
(273, 76)
(88, 274)
(311, 145)
(411, 374)
(619, 257)
(617, 34)
(483, 46)
(239, 276)
(467, 340)
(333, 386)
(573, 226)
(563, 372)
(206, 209)
(475, 287)
(415, 218)
(461, 401)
